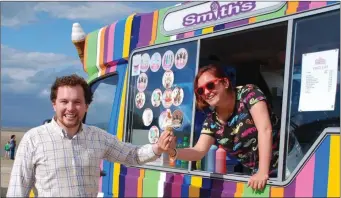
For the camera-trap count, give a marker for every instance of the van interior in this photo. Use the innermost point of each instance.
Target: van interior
(257, 56)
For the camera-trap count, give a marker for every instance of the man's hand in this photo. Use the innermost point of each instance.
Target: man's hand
(164, 142)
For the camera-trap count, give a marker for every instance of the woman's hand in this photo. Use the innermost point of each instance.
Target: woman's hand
(258, 181)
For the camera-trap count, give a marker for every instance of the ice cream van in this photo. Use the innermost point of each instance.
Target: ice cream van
(141, 70)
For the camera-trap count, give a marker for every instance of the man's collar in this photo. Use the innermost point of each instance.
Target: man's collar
(60, 129)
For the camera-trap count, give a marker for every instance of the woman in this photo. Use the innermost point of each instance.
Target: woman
(241, 121)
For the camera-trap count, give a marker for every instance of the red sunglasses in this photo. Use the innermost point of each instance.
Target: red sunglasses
(209, 86)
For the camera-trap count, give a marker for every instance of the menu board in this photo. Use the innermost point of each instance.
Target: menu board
(319, 80)
(161, 92)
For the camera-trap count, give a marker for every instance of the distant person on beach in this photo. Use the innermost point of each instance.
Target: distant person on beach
(7, 150)
(13, 144)
(62, 158)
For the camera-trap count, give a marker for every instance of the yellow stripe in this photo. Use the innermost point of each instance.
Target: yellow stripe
(239, 190)
(31, 193)
(119, 135)
(207, 30)
(334, 167)
(127, 34)
(196, 181)
(116, 183)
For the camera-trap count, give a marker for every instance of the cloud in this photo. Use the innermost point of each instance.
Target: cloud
(14, 58)
(104, 11)
(14, 14)
(17, 13)
(24, 72)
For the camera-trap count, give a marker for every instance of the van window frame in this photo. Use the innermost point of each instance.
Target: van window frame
(280, 179)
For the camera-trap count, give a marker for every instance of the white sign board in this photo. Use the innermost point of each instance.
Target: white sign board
(193, 16)
(318, 81)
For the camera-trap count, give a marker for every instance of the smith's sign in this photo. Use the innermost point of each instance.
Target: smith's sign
(193, 16)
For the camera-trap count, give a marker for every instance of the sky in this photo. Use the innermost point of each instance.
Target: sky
(36, 47)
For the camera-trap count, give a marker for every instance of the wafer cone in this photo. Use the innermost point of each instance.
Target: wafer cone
(78, 39)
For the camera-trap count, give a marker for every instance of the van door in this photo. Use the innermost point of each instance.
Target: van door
(101, 114)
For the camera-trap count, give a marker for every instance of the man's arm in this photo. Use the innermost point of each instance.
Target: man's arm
(22, 176)
(126, 153)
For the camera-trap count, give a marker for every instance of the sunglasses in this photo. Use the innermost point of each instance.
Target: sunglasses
(209, 86)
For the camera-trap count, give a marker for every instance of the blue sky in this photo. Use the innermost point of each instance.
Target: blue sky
(36, 47)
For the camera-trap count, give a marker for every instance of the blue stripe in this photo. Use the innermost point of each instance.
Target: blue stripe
(332, 2)
(135, 32)
(185, 186)
(119, 39)
(321, 169)
(197, 32)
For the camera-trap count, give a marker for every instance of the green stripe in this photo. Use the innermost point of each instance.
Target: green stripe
(92, 53)
(273, 15)
(160, 38)
(150, 183)
(249, 192)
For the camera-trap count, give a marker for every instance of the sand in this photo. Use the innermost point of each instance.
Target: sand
(6, 164)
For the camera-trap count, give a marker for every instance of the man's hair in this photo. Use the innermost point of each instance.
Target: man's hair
(71, 81)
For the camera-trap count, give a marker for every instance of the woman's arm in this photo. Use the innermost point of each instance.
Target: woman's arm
(261, 118)
(198, 151)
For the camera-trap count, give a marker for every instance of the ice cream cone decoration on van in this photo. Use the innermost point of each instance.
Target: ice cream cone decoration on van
(78, 39)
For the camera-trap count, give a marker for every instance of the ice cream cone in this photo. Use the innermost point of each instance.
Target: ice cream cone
(78, 39)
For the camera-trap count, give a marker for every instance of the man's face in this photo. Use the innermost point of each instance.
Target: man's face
(70, 106)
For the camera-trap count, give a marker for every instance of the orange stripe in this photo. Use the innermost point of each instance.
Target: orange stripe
(277, 191)
(101, 52)
(252, 20)
(292, 7)
(85, 54)
(140, 183)
(154, 30)
(194, 191)
(239, 190)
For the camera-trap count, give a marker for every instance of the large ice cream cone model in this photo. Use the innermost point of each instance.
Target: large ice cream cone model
(78, 39)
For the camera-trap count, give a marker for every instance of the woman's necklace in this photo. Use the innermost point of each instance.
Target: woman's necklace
(222, 121)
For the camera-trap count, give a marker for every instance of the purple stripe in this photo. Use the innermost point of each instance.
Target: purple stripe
(170, 177)
(131, 182)
(303, 5)
(222, 188)
(236, 23)
(167, 192)
(289, 191)
(180, 36)
(105, 50)
(146, 28)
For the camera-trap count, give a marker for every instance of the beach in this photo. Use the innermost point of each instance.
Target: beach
(6, 164)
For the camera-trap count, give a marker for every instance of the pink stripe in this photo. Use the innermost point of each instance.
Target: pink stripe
(112, 68)
(305, 179)
(189, 34)
(100, 179)
(110, 52)
(317, 4)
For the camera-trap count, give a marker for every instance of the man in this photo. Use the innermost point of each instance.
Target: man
(12, 144)
(62, 158)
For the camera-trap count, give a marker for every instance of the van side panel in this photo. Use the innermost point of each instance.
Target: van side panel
(322, 166)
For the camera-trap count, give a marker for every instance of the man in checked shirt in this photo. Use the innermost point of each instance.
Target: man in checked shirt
(62, 158)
